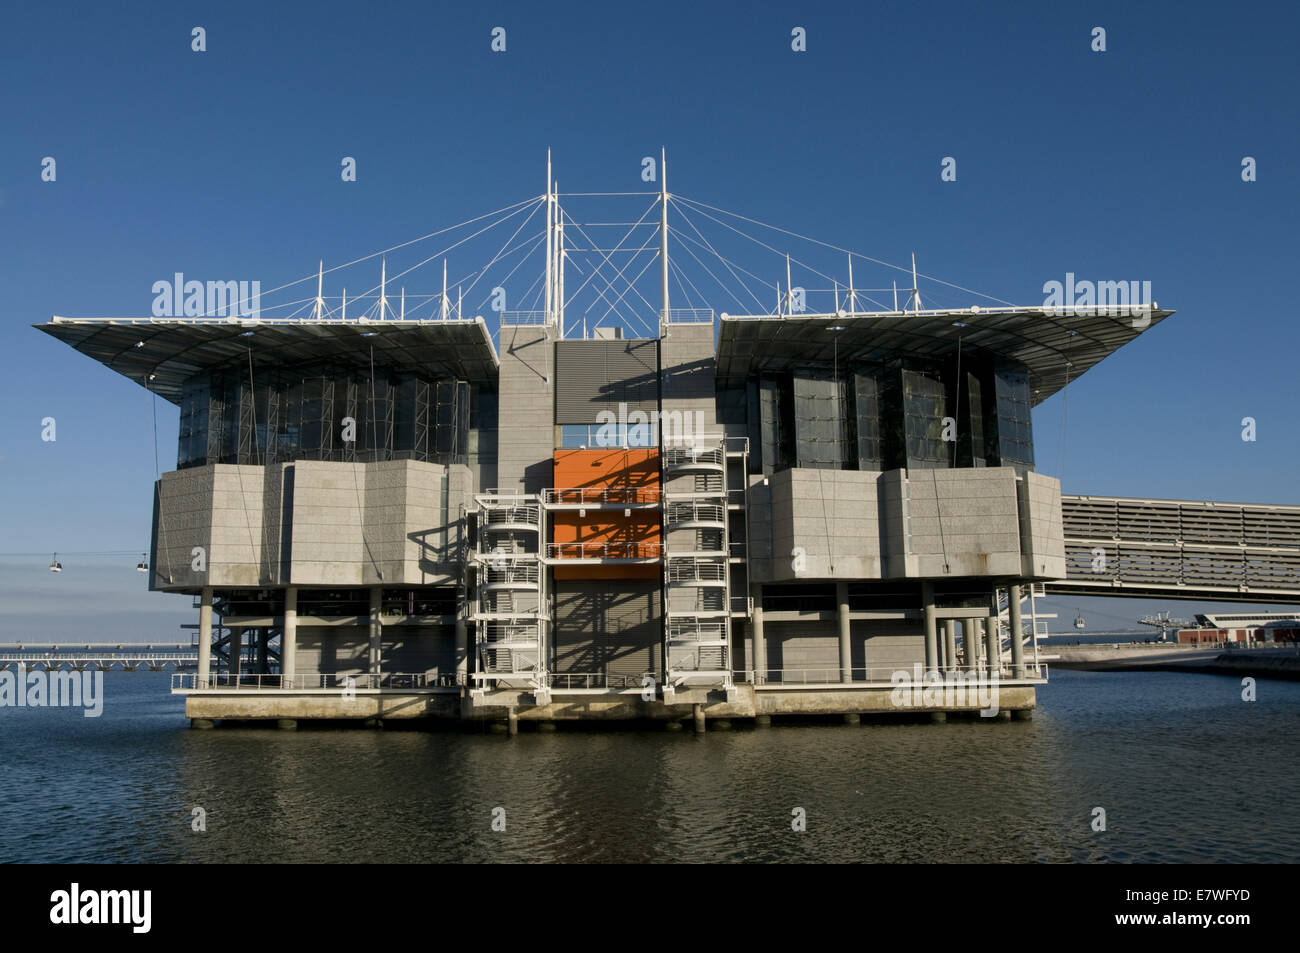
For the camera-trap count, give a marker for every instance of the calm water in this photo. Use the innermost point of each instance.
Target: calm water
(1185, 770)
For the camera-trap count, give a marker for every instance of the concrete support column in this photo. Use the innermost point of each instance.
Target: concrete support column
(236, 649)
(931, 628)
(289, 638)
(994, 650)
(950, 643)
(846, 644)
(1017, 649)
(759, 665)
(971, 636)
(462, 651)
(205, 635)
(697, 713)
(376, 635)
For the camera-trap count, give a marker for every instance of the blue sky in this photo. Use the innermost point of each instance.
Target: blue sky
(1117, 165)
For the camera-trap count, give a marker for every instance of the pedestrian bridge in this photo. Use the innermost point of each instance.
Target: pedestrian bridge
(104, 656)
(1180, 549)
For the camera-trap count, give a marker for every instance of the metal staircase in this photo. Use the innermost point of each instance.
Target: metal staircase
(697, 585)
(510, 606)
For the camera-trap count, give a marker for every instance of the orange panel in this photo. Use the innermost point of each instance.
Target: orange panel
(632, 475)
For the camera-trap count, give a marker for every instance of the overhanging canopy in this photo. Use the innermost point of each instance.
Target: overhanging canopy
(1054, 346)
(165, 352)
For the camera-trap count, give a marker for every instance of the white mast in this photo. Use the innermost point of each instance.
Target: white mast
(916, 292)
(559, 268)
(383, 283)
(403, 318)
(320, 301)
(460, 303)
(663, 237)
(345, 304)
(444, 289)
(895, 295)
(789, 287)
(550, 248)
(852, 304)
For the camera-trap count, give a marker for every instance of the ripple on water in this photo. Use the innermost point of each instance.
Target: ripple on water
(1184, 769)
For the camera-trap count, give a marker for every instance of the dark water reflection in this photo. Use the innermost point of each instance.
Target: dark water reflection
(1185, 770)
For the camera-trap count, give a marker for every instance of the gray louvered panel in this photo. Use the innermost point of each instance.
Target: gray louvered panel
(591, 376)
(610, 627)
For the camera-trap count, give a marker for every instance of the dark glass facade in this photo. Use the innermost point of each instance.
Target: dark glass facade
(905, 413)
(1012, 437)
(321, 414)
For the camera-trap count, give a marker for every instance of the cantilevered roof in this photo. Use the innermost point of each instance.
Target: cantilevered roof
(174, 349)
(1053, 345)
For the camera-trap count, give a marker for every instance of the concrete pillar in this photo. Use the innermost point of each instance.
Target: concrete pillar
(993, 636)
(236, 650)
(971, 636)
(846, 644)
(1017, 649)
(950, 643)
(760, 643)
(852, 718)
(931, 629)
(462, 651)
(289, 638)
(512, 721)
(698, 712)
(205, 635)
(762, 721)
(994, 650)
(376, 635)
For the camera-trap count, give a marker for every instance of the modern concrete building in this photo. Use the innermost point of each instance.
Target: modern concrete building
(746, 516)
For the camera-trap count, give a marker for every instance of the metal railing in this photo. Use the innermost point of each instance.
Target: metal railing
(596, 496)
(736, 444)
(522, 318)
(405, 681)
(692, 512)
(604, 550)
(696, 630)
(690, 315)
(679, 457)
(883, 675)
(528, 515)
(572, 681)
(691, 569)
(95, 659)
(684, 657)
(506, 634)
(508, 572)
